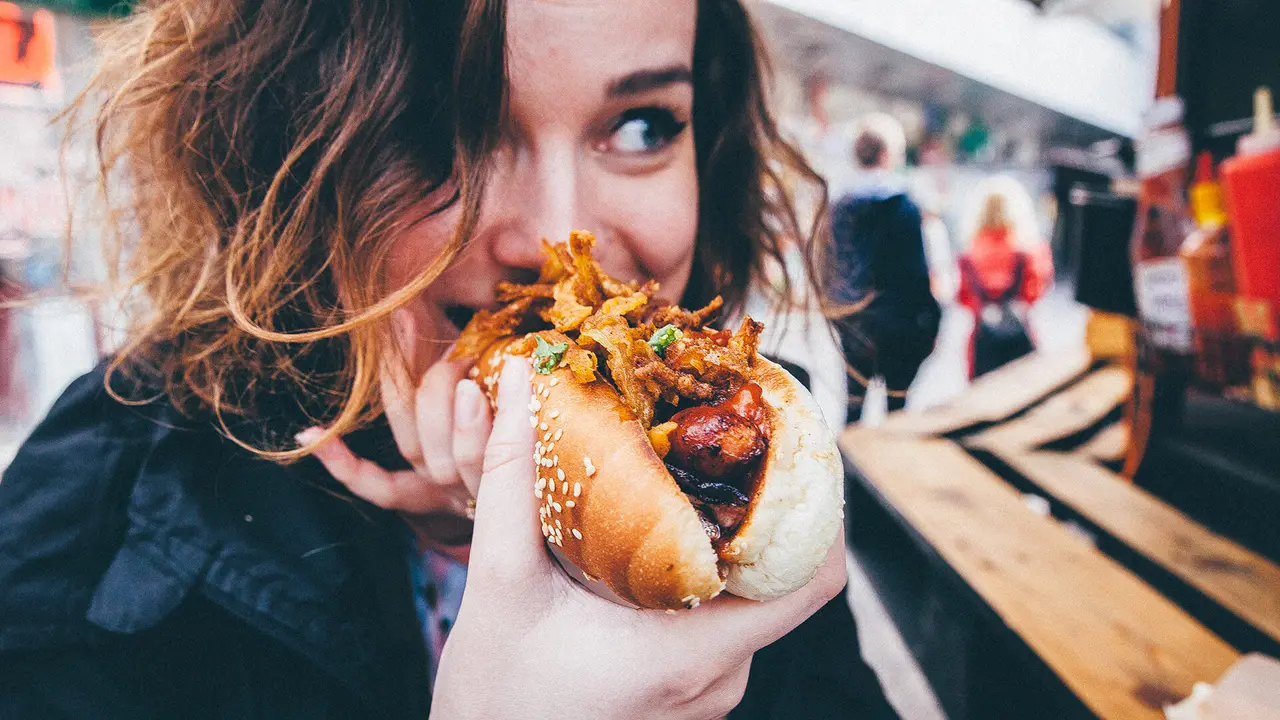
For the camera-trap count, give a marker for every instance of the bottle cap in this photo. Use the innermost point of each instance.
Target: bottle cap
(1206, 194)
(1264, 116)
(1265, 135)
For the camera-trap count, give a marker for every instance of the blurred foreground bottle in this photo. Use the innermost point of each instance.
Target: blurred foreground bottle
(1222, 361)
(1253, 186)
(1161, 284)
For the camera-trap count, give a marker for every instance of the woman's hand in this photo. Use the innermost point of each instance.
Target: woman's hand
(530, 643)
(441, 423)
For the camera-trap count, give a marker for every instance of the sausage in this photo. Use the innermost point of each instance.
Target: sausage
(748, 403)
(710, 451)
(714, 442)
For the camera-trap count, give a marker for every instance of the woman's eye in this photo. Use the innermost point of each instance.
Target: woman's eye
(645, 130)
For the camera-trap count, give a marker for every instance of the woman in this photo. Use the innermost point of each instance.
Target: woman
(1005, 270)
(322, 192)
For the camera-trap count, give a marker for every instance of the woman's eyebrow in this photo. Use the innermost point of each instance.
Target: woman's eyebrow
(642, 80)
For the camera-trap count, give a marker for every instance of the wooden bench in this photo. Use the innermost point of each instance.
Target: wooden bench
(1066, 413)
(1119, 645)
(1242, 581)
(995, 396)
(1109, 445)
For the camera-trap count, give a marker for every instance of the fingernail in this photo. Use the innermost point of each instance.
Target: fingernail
(462, 362)
(514, 382)
(309, 437)
(468, 403)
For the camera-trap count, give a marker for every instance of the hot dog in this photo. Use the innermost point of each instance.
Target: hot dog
(673, 461)
(715, 442)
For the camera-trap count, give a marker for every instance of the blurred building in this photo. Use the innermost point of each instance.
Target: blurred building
(47, 338)
(981, 86)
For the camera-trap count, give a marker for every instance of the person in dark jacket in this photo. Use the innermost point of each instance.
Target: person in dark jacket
(262, 504)
(880, 274)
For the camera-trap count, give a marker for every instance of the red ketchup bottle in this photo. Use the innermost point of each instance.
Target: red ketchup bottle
(1253, 201)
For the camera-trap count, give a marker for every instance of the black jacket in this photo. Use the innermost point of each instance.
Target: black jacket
(151, 569)
(880, 257)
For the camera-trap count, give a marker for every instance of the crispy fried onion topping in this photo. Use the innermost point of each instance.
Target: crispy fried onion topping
(578, 317)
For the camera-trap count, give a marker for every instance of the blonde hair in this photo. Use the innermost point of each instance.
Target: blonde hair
(1002, 203)
(995, 213)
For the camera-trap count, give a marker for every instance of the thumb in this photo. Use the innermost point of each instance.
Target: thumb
(507, 538)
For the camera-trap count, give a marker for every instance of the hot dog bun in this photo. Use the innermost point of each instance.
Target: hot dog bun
(609, 505)
(796, 511)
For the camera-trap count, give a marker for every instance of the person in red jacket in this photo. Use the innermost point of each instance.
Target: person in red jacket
(1005, 269)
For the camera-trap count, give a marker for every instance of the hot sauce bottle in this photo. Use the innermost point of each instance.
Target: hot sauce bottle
(1221, 353)
(1161, 284)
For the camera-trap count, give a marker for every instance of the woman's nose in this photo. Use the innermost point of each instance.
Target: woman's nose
(547, 196)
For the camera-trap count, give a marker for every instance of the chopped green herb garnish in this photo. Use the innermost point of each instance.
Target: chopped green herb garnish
(546, 356)
(663, 337)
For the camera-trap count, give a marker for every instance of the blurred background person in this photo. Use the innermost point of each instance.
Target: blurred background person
(943, 277)
(881, 270)
(1005, 268)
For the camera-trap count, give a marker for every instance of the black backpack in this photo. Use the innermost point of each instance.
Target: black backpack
(880, 256)
(1000, 336)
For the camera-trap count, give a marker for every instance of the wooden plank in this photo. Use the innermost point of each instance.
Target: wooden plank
(1109, 336)
(1120, 646)
(1109, 445)
(1068, 412)
(994, 396)
(1240, 580)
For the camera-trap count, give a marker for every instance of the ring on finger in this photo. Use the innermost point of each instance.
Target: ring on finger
(470, 510)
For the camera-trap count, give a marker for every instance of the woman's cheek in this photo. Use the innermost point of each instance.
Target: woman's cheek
(658, 217)
(422, 328)
(419, 245)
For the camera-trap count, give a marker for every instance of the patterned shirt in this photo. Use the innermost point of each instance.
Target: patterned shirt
(438, 582)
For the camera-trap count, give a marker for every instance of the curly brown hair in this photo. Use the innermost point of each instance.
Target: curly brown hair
(274, 149)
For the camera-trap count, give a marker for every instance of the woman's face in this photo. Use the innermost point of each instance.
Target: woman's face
(599, 138)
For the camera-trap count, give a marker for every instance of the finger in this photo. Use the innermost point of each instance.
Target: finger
(417, 328)
(404, 491)
(433, 413)
(749, 625)
(422, 330)
(727, 694)
(398, 384)
(472, 424)
(395, 390)
(507, 537)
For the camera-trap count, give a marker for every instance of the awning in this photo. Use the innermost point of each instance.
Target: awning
(1002, 60)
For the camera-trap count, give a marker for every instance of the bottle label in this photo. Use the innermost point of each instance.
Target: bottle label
(1164, 301)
